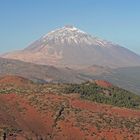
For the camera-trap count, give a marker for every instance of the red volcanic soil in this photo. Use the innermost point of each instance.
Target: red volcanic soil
(26, 117)
(65, 117)
(16, 80)
(103, 83)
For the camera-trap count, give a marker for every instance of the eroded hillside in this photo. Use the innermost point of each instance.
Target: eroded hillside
(44, 112)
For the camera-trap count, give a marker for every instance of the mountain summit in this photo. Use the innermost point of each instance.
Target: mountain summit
(72, 47)
(70, 35)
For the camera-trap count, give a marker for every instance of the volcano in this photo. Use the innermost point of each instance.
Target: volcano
(72, 47)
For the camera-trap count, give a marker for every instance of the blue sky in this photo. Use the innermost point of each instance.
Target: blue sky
(23, 21)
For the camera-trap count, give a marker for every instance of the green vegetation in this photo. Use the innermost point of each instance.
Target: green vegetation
(113, 96)
(88, 90)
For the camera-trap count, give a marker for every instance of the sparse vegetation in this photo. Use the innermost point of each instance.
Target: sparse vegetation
(52, 106)
(112, 95)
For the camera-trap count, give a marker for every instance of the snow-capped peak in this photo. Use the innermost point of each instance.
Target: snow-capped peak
(72, 28)
(66, 28)
(70, 35)
(69, 46)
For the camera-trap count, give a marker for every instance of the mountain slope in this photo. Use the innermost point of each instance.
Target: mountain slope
(69, 46)
(39, 73)
(125, 77)
(46, 115)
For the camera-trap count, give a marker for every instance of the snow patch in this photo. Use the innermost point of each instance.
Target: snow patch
(70, 34)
